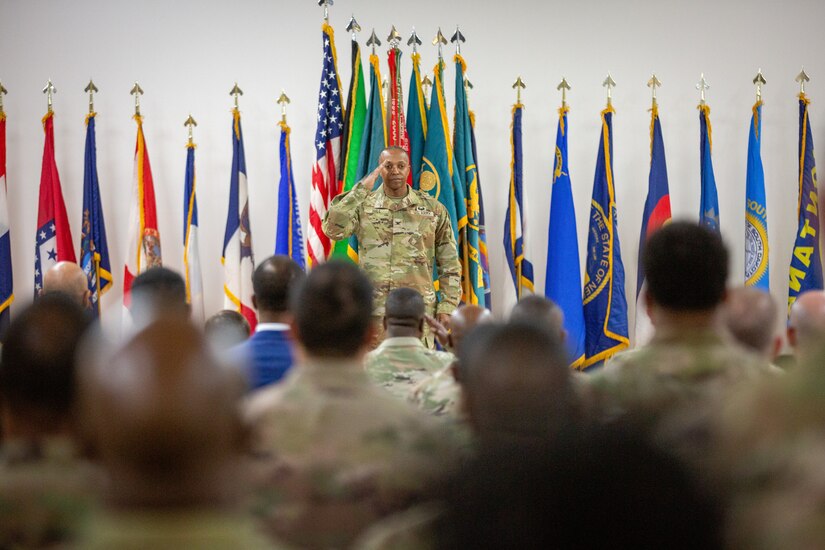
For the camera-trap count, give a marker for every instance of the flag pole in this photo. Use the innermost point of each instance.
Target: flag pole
(236, 92)
(91, 89)
(519, 85)
(326, 4)
(373, 41)
(609, 83)
(457, 39)
(353, 27)
(802, 78)
(702, 86)
(759, 81)
(3, 91)
(440, 41)
(283, 101)
(49, 90)
(137, 91)
(414, 41)
(654, 83)
(190, 123)
(564, 86)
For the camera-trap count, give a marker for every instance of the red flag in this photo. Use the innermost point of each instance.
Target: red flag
(396, 125)
(53, 241)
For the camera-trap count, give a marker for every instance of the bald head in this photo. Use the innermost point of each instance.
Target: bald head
(163, 416)
(806, 325)
(67, 278)
(464, 320)
(535, 309)
(751, 315)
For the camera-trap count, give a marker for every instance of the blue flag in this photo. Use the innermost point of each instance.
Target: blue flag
(191, 248)
(514, 227)
(472, 274)
(709, 201)
(94, 252)
(484, 257)
(563, 282)
(289, 240)
(806, 264)
(416, 120)
(605, 305)
(757, 271)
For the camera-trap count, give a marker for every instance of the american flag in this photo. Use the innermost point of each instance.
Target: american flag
(328, 151)
(45, 254)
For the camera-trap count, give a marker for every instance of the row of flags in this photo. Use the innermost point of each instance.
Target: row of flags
(596, 317)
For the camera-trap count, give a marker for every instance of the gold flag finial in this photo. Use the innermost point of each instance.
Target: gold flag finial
(49, 90)
(654, 83)
(564, 86)
(440, 41)
(283, 101)
(394, 38)
(802, 78)
(702, 86)
(519, 85)
(190, 124)
(759, 81)
(91, 89)
(609, 83)
(414, 41)
(236, 92)
(137, 91)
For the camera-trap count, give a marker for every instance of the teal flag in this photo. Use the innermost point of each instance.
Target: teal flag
(416, 120)
(374, 137)
(472, 274)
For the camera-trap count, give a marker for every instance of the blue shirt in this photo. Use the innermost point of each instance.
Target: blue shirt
(268, 354)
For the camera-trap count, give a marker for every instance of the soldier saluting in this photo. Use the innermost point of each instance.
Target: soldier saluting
(402, 235)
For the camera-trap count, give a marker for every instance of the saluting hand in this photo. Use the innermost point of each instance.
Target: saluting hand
(372, 177)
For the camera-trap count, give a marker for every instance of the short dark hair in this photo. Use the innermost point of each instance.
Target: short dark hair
(272, 281)
(161, 286)
(395, 148)
(333, 309)
(404, 307)
(37, 369)
(686, 266)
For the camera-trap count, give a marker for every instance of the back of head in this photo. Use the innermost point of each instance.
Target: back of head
(464, 320)
(162, 414)
(67, 278)
(539, 310)
(516, 382)
(37, 371)
(806, 324)
(226, 329)
(751, 316)
(158, 292)
(686, 266)
(641, 496)
(333, 309)
(404, 307)
(272, 282)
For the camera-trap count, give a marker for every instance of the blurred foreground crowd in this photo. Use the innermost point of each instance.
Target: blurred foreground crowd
(309, 433)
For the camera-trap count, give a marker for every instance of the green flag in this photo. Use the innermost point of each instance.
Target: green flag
(374, 137)
(356, 113)
(472, 275)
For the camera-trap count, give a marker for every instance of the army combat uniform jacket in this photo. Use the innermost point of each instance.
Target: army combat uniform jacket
(399, 242)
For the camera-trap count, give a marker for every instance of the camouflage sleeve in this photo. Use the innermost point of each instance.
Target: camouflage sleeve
(449, 268)
(342, 218)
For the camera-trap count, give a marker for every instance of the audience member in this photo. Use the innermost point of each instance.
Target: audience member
(535, 309)
(752, 317)
(336, 453)
(226, 329)
(163, 417)
(45, 495)
(269, 353)
(156, 293)
(516, 384)
(67, 278)
(806, 325)
(402, 360)
(439, 393)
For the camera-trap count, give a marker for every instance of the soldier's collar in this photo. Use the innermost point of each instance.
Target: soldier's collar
(383, 201)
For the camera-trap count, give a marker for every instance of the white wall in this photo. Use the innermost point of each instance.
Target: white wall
(187, 54)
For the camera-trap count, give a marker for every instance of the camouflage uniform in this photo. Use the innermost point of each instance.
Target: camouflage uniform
(401, 363)
(173, 529)
(45, 494)
(399, 242)
(334, 454)
(438, 394)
